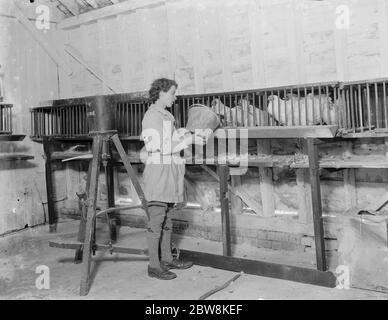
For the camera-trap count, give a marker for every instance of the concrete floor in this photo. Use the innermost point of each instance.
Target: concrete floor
(121, 276)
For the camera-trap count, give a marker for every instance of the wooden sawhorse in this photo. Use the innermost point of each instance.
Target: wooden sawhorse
(86, 244)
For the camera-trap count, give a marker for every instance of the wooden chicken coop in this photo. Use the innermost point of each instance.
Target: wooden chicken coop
(333, 112)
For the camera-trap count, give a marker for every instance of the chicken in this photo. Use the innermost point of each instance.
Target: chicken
(309, 110)
(243, 115)
(223, 111)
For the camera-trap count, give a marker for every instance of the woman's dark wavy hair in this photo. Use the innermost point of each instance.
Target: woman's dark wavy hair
(159, 85)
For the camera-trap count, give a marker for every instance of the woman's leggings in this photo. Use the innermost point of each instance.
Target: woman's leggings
(159, 231)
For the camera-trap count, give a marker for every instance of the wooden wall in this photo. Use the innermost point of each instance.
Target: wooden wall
(220, 45)
(30, 76)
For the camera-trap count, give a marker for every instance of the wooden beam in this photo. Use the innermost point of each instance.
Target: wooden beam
(48, 47)
(78, 57)
(50, 189)
(282, 132)
(107, 11)
(317, 204)
(261, 268)
(223, 172)
(71, 6)
(93, 3)
(12, 137)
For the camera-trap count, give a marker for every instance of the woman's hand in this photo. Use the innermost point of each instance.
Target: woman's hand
(200, 137)
(198, 140)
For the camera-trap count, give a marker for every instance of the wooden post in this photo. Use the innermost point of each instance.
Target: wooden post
(131, 173)
(349, 178)
(304, 196)
(90, 221)
(48, 149)
(317, 204)
(82, 224)
(236, 203)
(109, 180)
(266, 182)
(223, 172)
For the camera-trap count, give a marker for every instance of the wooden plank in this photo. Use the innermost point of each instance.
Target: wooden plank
(83, 219)
(107, 11)
(282, 132)
(223, 172)
(317, 204)
(261, 268)
(98, 247)
(47, 147)
(12, 137)
(131, 173)
(90, 221)
(71, 5)
(368, 134)
(109, 180)
(93, 3)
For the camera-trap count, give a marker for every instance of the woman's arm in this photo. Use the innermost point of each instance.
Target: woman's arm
(160, 136)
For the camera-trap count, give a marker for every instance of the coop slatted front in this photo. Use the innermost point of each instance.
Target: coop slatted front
(357, 107)
(5, 118)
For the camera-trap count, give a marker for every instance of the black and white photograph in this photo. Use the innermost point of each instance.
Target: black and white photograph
(194, 155)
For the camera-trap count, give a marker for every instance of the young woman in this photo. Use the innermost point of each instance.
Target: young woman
(163, 176)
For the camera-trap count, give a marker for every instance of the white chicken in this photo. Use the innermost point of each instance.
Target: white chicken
(243, 115)
(222, 110)
(309, 110)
